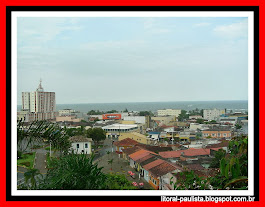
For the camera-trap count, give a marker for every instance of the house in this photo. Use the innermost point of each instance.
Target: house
(126, 152)
(80, 144)
(187, 154)
(125, 143)
(157, 169)
(138, 155)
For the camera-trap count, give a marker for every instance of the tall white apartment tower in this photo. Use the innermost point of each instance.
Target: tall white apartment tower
(38, 101)
(39, 105)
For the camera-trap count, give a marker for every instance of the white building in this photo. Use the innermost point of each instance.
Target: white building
(120, 127)
(38, 105)
(80, 144)
(230, 120)
(212, 114)
(169, 112)
(137, 119)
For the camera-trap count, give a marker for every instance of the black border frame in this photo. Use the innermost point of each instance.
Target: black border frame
(9, 9)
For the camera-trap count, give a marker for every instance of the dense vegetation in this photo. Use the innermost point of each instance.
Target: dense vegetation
(75, 172)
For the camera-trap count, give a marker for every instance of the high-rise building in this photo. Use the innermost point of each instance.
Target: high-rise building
(38, 105)
(38, 101)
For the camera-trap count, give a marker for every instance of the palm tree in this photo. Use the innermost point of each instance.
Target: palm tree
(31, 176)
(74, 172)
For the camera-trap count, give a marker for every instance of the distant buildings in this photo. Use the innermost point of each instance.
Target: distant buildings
(37, 105)
(213, 114)
(169, 112)
(217, 132)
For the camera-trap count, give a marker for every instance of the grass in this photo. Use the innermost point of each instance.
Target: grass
(26, 160)
(48, 148)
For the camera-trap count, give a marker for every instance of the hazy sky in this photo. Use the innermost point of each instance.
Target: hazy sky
(131, 59)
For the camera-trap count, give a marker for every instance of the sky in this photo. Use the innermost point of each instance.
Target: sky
(133, 59)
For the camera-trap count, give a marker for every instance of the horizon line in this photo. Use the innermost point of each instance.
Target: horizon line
(143, 102)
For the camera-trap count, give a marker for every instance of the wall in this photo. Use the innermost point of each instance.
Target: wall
(135, 136)
(154, 182)
(81, 147)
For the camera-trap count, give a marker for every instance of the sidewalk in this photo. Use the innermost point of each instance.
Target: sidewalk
(40, 158)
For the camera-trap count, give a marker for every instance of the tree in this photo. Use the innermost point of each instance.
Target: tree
(233, 167)
(188, 180)
(146, 113)
(112, 111)
(74, 172)
(97, 135)
(31, 175)
(238, 126)
(126, 110)
(200, 121)
(219, 155)
(118, 182)
(183, 115)
(93, 112)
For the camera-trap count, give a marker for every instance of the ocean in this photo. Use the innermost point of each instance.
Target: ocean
(154, 106)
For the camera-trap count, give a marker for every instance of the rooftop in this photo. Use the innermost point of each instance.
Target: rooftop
(120, 126)
(153, 164)
(126, 142)
(162, 169)
(79, 139)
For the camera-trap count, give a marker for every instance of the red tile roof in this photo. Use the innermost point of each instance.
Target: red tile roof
(188, 152)
(196, 152)
(144, 158)
(171, 154)
(195, 167)
(131, 150)
(126, 142)
(139, 154)
(162, 169)
(153, 164)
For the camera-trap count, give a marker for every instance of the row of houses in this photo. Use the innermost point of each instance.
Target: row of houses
(158, 165)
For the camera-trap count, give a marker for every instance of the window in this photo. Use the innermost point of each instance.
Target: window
(86, 145)
(213, 135)
(77, 146)
(224, 134)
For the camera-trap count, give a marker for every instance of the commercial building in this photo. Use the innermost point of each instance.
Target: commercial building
(212, 114)
(217, 132)
(169, 112)
(111, 116)
(136, 136)
(115, 130)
